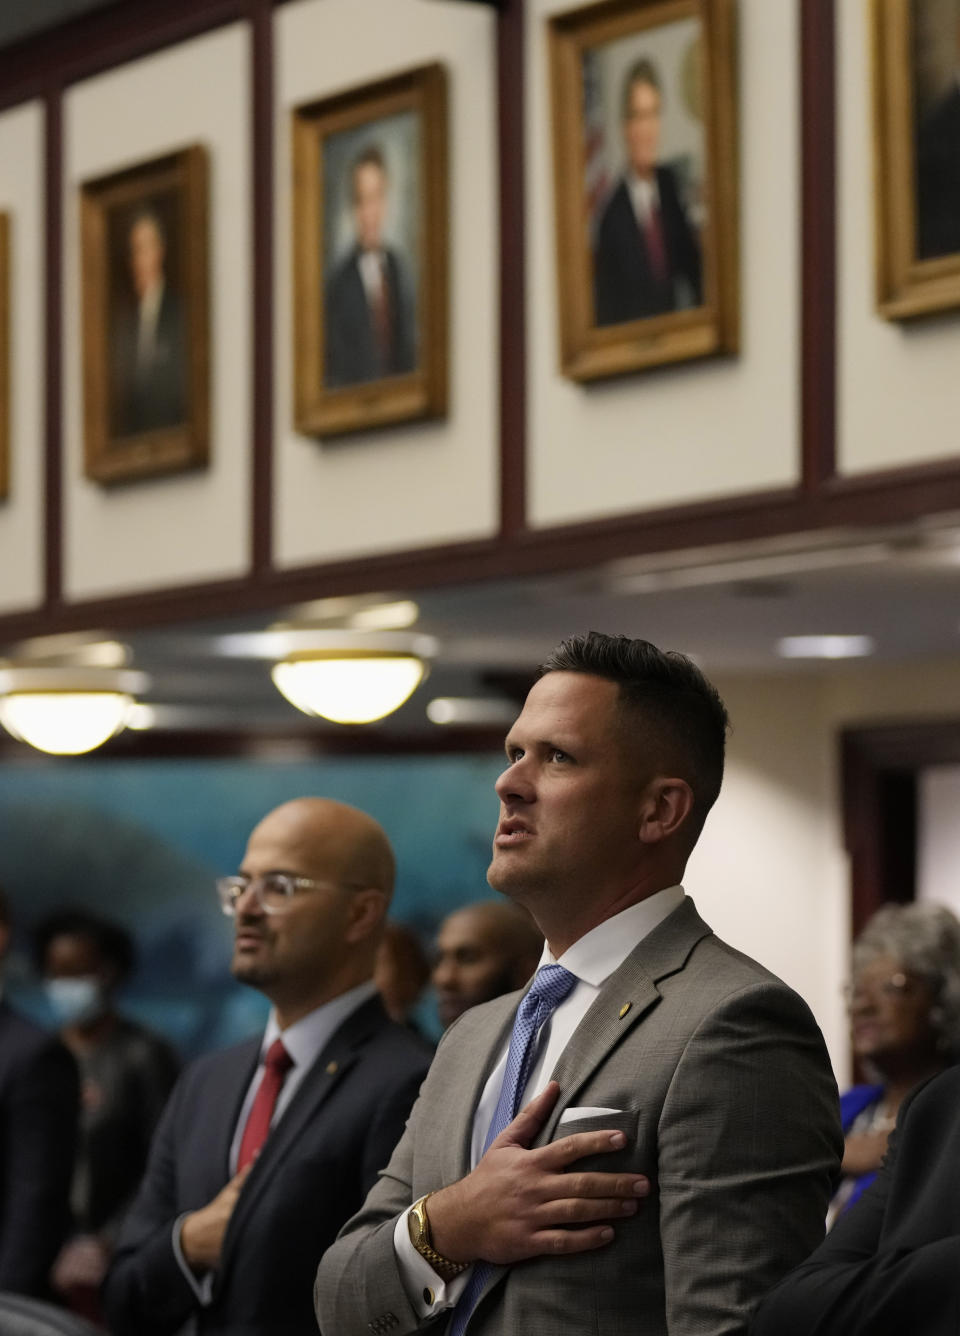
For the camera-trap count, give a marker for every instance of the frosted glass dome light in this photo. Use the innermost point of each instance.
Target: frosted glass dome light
(353, 678)
(66, 711)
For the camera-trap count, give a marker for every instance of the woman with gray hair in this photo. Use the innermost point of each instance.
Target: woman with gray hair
(904, 1005)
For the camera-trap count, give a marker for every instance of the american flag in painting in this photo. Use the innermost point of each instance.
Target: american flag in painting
(596, 172)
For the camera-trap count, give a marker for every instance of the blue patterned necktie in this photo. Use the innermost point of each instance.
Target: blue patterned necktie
(550, 986)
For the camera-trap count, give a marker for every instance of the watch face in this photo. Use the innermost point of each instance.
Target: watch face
(415, 1224)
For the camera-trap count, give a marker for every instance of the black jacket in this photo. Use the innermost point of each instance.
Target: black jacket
(625, 287)
(39, 1100)
(312, 1174)
(891, 1265)
(352, 352)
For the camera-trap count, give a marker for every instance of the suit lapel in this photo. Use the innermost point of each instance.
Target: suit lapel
(221, 1113)
(624, 999)
(330, 1066)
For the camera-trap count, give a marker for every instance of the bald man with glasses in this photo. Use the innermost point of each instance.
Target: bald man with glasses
(266, 1149)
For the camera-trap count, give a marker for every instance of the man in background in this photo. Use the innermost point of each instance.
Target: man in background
(483, 950)
(39, 1100)
(648, 1056)
(150, 350)
(647, 254)
(368, 324)
(264, 1150)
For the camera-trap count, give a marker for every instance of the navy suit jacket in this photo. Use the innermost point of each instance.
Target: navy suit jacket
(938, 180)
(625, 286)
(311, 1175)
(891, 1264)
(39, 1101)
(352, 352)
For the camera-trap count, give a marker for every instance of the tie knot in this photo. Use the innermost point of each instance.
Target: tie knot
(552, 983)
(278, 1059)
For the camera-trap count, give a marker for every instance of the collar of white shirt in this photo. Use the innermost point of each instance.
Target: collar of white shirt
(604, 948)
(305, 1039)
(645, 197)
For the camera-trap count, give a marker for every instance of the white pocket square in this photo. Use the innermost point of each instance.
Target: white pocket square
(587, 1111)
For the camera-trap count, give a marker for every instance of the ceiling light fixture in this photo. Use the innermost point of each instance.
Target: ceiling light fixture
(352, 677)
(825, 647)
(472, 711)
(64, 710)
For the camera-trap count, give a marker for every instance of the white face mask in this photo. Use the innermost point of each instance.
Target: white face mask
(75, 1001)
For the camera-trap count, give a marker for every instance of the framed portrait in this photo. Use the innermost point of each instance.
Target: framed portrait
(370, 255)
(146, 358)
(4, 355)
(645, 184)
(916, 60)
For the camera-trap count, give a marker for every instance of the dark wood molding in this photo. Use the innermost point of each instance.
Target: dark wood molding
(879, 771)
(262, 261)
(511, 139)
(818, 241)
(53, 354)
(291, 744)
(101, 40)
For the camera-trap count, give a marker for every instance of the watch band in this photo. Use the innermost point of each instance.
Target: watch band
(444, 1267)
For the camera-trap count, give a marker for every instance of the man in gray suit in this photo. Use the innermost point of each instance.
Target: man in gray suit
(645, 1140)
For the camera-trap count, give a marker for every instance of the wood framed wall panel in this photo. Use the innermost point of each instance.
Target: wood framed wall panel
(44, 65)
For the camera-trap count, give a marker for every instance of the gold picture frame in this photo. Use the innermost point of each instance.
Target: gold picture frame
(645, 184)
(916, 123)
(370, 255)
(146, 355)
(5, 377)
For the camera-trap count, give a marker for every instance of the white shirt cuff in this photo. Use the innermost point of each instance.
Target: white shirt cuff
(428, 1293)
(202, 1286)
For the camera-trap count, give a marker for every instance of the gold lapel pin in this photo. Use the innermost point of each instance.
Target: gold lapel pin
(331, 1068)
(624, 1009)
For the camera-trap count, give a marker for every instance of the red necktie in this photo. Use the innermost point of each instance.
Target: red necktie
(656, 249)
(276, 1065)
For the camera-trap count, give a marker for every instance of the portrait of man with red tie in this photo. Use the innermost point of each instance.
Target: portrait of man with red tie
(369, 320)
(647, 257)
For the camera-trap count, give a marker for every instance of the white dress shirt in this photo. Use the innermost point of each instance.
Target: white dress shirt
(644, 196)
(371, 273)
(592, 959)
(148, 315)
(304, 1041)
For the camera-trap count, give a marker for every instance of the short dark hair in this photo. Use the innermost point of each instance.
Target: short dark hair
(671, 706)
(641, 71)
(371, 156)
(112, 941)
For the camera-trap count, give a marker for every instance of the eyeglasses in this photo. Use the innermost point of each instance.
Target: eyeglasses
(898, 985)
(274, 891)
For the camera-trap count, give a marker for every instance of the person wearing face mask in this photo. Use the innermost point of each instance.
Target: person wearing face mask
(38, 1125)
(126, 1073)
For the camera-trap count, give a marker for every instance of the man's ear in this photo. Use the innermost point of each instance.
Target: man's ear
(368, 909)
(664, 808)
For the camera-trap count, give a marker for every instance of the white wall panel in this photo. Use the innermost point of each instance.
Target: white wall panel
(898, 389)
(425, 483)
(21, 514)
(703, 429)
(188, 527)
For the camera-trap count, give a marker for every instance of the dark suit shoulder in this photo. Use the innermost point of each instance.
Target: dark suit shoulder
(22, 1042)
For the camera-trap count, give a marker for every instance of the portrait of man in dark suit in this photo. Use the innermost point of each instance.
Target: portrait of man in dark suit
(647, 258)
(938, 134)
(369, 320)
(148, 340)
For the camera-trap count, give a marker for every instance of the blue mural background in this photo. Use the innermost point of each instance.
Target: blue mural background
(142, 841)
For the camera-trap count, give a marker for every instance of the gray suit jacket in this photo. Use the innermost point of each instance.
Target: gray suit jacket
(729, 1105)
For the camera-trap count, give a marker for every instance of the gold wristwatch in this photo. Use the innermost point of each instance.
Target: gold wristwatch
(419, 1227)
